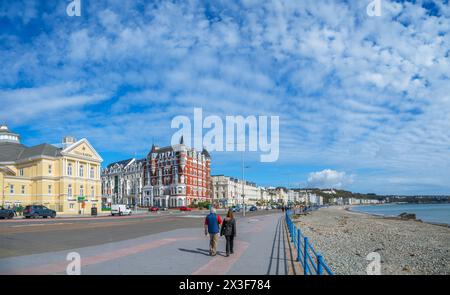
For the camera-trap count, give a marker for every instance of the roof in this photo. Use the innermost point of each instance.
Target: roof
(206, 153)
(11, 152)
(4, 129)
(123, 163)
(126, 162)
(44, 149)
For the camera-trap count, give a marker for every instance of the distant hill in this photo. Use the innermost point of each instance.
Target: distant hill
(328, 194)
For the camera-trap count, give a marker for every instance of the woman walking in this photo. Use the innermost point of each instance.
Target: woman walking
(229, 231)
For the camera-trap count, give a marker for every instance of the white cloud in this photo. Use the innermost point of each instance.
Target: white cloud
(354, 92)
(329, 179)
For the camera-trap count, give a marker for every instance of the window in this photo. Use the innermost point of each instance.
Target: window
(81, 173)
(21, 172)
(92, 173)
(11, 188)
(69, 190)
(23, 190)
(49, 188)
(69, 169)
(81, 190)
(49, 169)
(92, 191)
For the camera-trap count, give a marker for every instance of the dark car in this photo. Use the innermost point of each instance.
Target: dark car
(253, 208)
(236, 209)
(6, 213)
(36, 211)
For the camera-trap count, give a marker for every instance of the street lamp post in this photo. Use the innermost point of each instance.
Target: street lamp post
(243, 182)
(243, 178)
(136, 188)
(3, 191)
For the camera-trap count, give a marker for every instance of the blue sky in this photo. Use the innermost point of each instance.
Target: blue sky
(363, 101)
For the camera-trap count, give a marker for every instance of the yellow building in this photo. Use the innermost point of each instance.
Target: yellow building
(64, 178)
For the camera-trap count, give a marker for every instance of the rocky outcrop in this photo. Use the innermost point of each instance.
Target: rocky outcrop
(407, 216)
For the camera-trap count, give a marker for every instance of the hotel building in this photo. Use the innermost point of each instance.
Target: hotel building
(177, 176)
(64, 178)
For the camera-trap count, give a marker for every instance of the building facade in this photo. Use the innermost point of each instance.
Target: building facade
(278, 195)
(177, 176)
(229, 191)
(315, 200)
(123, 183)
(64, 178)
(226, 190)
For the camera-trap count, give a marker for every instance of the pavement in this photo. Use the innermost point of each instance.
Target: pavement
(151, 244)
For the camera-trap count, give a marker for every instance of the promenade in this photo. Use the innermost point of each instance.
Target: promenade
(261, 247)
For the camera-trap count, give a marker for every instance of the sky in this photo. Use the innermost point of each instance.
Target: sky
(363, 102)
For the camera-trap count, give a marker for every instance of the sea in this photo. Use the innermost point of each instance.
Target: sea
(433, 213)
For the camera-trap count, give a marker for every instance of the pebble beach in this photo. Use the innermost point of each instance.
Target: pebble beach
(345, 238)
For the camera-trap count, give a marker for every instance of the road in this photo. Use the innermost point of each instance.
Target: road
(166, 243)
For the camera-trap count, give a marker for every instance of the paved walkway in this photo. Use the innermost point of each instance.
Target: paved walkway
(261, 247)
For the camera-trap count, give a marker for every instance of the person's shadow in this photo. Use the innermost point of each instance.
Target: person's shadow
(199, 251)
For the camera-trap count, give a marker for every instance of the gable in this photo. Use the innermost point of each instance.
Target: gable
(82, 149)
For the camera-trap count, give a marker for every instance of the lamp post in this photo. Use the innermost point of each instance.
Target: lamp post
(3, 191)
(243, 183)
(243, 177)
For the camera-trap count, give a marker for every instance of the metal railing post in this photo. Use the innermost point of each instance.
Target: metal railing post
(292, 232)
(319, 264)
(298, 244)
(305, 257)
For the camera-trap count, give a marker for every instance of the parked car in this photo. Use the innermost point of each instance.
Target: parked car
(184, 208)
(153, 209)
(253, 208)
(236, 209)
(6, 213)
(120, 209)
(36, 211)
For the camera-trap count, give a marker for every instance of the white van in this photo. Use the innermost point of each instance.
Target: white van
(120, 210)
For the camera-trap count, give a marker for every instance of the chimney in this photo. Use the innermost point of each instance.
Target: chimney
(68, 141)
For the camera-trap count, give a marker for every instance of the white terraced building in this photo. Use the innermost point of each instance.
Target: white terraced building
(227, 191)
(122, 183)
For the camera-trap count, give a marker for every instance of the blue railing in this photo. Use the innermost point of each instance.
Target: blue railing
(311, 261)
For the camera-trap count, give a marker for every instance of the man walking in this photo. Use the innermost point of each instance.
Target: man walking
(212, 226)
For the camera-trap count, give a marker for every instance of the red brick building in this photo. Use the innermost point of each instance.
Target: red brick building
(177, 176)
